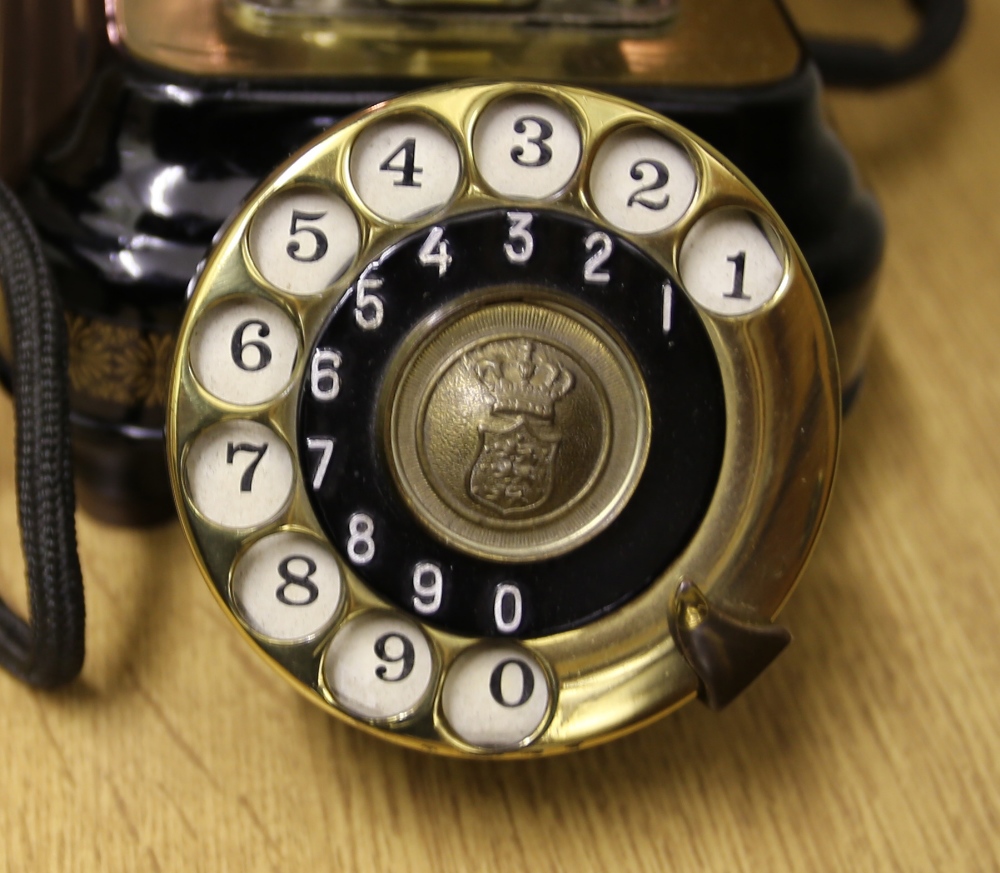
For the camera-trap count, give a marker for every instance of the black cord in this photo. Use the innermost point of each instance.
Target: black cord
(48, 651)
(849, 64)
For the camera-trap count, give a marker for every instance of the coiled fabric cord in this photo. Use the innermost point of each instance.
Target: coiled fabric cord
(847, 64)
(47, 650)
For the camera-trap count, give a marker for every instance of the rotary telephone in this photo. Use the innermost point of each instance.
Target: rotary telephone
(501, 412)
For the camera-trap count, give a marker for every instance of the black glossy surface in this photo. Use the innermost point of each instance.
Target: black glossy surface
(686, 401)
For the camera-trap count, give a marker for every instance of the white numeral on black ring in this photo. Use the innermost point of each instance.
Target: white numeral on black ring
(435, 251)
(323, 445)
(520, 245)
(360, 542)
(324, 379)
(428, 585)
(601, 246)
(368, 308)
(668, 305)
(507, 608)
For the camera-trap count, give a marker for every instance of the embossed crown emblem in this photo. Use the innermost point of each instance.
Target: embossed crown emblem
(523, 380)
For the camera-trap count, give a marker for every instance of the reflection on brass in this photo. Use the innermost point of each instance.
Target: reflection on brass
(713, 43)
(561, 13)
(118, 363)
(517, 430)
(727, 653)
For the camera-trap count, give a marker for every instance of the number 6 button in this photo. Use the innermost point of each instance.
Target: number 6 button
(504, 419)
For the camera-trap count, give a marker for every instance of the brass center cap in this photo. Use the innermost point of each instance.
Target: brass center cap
(517, 430)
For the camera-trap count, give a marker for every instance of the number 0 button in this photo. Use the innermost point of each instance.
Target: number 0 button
(526, 147)
(303, 239)
(379, 666)
(496, 696)
(287, 587)
(239, 473)
(243, 351)
(728, 263)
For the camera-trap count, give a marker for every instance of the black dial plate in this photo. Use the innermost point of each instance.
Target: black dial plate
(687, 407)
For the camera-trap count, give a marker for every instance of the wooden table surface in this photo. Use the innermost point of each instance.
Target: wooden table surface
(872, 744)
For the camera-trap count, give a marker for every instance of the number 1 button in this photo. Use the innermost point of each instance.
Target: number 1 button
(728, 263)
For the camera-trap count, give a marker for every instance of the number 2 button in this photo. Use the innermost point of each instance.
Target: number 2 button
(642, 182)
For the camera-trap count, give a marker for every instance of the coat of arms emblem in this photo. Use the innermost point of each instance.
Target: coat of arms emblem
(518, 442)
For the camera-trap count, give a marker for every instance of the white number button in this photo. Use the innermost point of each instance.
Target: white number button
(302, 240)
(728, 264)
(287, 587)
(239, 473)
(495, 696)
(379, 666)
(526, 147)
(642, 182)
(243, 352)
(405, 167)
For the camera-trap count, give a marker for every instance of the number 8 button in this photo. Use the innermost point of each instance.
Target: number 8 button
(503, 420)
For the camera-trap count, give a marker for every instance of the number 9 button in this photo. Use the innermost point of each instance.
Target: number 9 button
(453, 404)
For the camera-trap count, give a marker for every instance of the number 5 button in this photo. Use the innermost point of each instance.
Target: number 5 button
(302, 240)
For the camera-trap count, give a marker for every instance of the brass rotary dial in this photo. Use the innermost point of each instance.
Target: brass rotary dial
(504, 419)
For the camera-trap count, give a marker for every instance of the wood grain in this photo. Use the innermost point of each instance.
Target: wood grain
(872, 744)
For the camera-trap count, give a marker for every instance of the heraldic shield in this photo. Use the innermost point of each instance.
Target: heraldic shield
(518, 443)
(514, 469)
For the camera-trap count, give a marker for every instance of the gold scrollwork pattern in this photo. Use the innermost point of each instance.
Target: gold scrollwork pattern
(118, 363)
